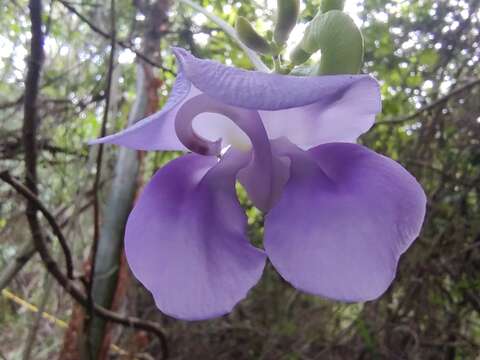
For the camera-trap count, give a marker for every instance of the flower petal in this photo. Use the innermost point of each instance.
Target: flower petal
(264, 178)
(157, 131)
(186, 240)
(307, 110)
(331, 119)
(344, 218)
(263, 91)
(265, 175)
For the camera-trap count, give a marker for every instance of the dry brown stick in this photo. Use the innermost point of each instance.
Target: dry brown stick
(30, 104)
(30, 121)
(108, 36)
(402, 119)
(69, 285)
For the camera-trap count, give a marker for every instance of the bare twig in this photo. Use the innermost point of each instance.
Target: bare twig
(5, 176)
(27, 250)
(30, 104)
(30, 125)
(402, 119)
(12, 103)
(99, 160)
(70, 285)
(24, 254)
(103, 132)
(32, 333)
(106, 35)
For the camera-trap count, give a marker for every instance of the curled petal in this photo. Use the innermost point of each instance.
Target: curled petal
(185, 239)
(344, 218)
(265, 175)
(307, 110)
(247, 120)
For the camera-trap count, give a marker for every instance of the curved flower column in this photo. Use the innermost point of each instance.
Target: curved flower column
(338, 215)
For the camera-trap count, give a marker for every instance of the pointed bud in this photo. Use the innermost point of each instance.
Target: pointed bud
(340, 41)
(327, 5)
(287, 14)
(251, 38)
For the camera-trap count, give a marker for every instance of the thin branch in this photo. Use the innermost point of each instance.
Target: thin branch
(30, 121)
(27, 250)
(103, 132)
(106, 35)
(96, 183)
(11, 103)
(402, 119)
(24, 254)
(230, 31)
(5, 176)
(30, 104)
(32, 333)
(69, 285)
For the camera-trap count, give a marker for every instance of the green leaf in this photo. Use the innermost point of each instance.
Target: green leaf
(428, 57)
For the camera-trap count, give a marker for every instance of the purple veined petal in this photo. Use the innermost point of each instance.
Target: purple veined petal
(307, 110)
(259, 90)
(331, 119)
(157, 131)
(344, 218)
(186, 238)
(265, 175)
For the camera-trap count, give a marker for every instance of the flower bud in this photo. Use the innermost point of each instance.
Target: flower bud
(340, 42)
(287, 14)
(327, 5)
(251, 38)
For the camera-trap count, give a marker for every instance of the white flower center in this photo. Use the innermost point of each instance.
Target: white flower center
(213, 126)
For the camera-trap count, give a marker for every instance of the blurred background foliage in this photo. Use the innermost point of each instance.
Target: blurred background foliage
(425, 55)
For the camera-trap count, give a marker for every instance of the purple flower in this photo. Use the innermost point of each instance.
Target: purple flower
(338, 214)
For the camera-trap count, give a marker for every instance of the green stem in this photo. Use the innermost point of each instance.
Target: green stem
(230, 31)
